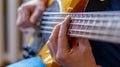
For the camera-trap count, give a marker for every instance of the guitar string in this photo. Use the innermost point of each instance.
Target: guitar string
(80, 18)
(107, 13)
(102, 31)
(95, 25)
(116, 16)
(94, 37)
(99, 23)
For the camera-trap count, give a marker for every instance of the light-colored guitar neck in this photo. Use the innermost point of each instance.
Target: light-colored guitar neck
(102, 26)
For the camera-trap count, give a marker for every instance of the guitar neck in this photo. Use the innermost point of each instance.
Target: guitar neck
(102, 26)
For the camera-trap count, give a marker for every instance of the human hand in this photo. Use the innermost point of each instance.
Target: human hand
(29, 12)
(80, 55)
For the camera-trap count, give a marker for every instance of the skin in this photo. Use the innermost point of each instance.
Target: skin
(29, 12)
(80, 55)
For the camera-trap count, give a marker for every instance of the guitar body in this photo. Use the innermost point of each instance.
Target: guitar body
(59, 6)
(38, 40)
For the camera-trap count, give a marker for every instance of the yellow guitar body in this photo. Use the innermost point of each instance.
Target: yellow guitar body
(65, 6)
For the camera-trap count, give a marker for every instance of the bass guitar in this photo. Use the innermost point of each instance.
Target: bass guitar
(88, 21)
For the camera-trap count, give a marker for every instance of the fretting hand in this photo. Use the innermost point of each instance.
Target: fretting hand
(80, 55)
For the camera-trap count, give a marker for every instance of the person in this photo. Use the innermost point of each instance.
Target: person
(84, 53)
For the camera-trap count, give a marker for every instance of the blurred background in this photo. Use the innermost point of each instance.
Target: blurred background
(11, 39)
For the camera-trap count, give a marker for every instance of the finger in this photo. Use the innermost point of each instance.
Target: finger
(55, 32)
(52, 42)
(84, 45)
(62, 39)
(38, 11)
(84, 41)
(23, 30)
(23, 17)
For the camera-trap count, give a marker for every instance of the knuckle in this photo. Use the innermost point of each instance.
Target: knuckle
(24, 7)
(59, 36)
(21, 8)
(41, 9)
(18, 24)
(21, 23)
(59, 57)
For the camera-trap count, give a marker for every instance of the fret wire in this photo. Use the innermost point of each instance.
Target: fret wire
(102, 24)
(93, 37)
(73, 26)
(92, 27)
(70, 27)
(87, 27)
(103, 32)
(76, 26)
(80, 16)
(107, 28)
(99, 34)
(95, 26)
(80, 26)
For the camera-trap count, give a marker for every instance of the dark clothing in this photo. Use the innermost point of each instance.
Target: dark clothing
(106, 54)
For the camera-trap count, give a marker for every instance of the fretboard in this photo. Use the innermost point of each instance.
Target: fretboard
(102, 26)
